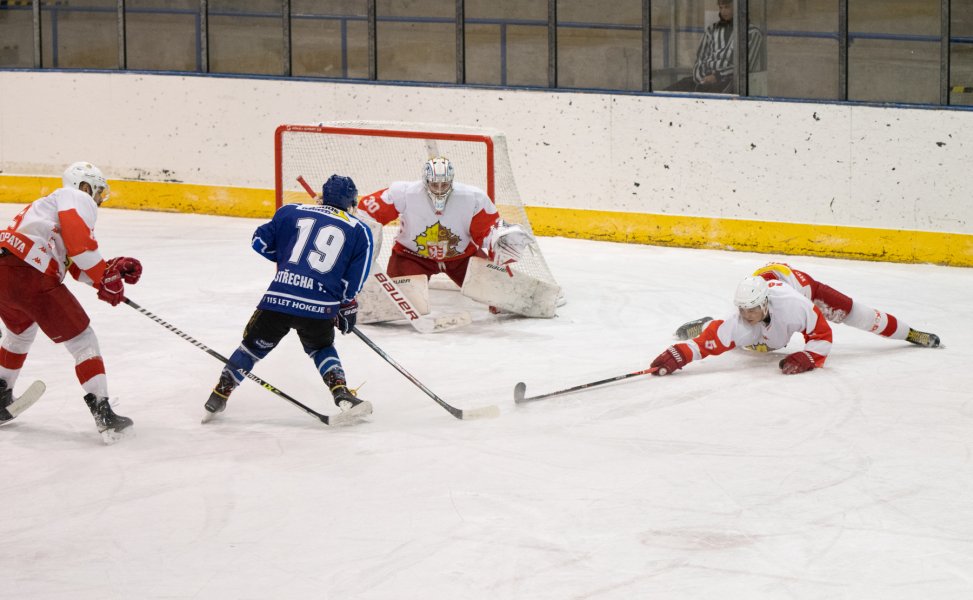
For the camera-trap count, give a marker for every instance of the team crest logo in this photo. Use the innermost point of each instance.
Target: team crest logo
(437, 242)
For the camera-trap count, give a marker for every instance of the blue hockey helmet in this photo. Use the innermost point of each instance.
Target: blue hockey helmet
(339, 192)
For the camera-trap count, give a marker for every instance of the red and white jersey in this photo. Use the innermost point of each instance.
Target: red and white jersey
(57, 233)
(789, 313)
(798, 280)
(456, 233)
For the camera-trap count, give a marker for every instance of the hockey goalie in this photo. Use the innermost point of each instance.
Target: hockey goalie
(453, 228)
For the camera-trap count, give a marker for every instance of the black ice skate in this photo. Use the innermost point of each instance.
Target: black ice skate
(921, 338)
(215, 404)
(6, 399)
(217, 399)
(692, 328)
(111, 426)
(350, 404)
(11, 406)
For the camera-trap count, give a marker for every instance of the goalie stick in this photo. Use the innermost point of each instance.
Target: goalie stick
(463, 414)
(421, 323)
(521, 388)
(339, 419)
(24, 401)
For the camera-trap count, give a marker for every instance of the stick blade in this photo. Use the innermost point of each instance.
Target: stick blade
(484, 412)
(435, 324)
(519, 390)
(24, 401)
(350, 417)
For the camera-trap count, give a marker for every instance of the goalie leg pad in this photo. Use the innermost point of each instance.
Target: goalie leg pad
(518, 293)
(375, 305)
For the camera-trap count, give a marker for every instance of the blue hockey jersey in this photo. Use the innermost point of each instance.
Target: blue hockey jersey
(323, 255)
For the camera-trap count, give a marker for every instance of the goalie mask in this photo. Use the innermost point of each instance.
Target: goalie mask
(85, 172)
(437, 175)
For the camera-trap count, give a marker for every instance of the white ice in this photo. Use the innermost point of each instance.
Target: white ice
(725, 480)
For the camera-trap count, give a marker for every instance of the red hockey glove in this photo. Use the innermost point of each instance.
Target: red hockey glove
(797, 363)
(111, 289)
(347, 315)
(668, 362)
(130, 268)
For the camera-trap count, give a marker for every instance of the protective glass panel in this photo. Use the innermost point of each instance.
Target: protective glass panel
(162, 35)
(16, 35)
(416, 40)
(246, 36)
(698, 42)
(80, 35)
(961, 54)
(329, 38)
(894, 50)
(801, 49)
(506, 42)
(598, 48)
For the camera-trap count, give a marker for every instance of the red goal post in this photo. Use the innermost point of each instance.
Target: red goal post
(376, 153)
(286, 130)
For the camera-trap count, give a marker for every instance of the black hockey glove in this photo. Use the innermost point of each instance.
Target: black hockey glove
(347, 315)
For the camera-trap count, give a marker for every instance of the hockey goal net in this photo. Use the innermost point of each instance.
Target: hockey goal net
(375, 154)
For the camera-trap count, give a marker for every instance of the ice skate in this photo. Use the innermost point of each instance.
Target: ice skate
(11, 406)
(921, 338)
(215, 404)
(691, 329)
(351, 405)
(112, 427)
(6, 399)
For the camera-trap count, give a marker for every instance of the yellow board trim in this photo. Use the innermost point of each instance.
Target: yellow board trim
(835, 241)
(152, 195)
(661, 230)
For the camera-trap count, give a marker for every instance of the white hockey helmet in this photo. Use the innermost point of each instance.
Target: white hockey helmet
(85, 172)
(751, 293)
(437, 175)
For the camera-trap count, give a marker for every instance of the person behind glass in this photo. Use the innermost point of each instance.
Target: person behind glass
(713, 71)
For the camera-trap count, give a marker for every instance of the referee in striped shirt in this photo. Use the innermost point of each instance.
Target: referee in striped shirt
(713, 71)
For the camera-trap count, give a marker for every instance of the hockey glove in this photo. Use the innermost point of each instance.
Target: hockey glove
(668, 362)
(111, 289)
(129, 268)
(347, 315)
(507, 243)
(798, 362)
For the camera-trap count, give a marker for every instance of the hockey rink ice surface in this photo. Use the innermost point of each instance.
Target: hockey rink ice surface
(725, 480)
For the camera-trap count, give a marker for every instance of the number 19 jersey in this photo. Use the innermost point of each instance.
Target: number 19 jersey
(322, 254)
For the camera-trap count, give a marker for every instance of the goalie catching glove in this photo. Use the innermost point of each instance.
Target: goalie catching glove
(506, 243)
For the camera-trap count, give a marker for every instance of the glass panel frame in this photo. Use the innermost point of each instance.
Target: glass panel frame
(82, 35)
(246, 37)
(163, 35)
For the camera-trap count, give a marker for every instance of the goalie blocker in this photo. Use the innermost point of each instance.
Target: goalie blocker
(509, 289)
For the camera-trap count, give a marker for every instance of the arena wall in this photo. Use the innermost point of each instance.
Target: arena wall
(828, 179)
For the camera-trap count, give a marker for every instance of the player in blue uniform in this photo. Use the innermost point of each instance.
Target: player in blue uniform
(323, 255)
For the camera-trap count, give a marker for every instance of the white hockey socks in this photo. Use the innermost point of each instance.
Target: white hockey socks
(875, 321)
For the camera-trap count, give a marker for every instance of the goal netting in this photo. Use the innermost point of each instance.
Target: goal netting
(375, 154)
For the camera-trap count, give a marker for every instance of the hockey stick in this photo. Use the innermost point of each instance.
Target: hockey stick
(422, 323)
(464, 414)
(326, 419)
(521, 387)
